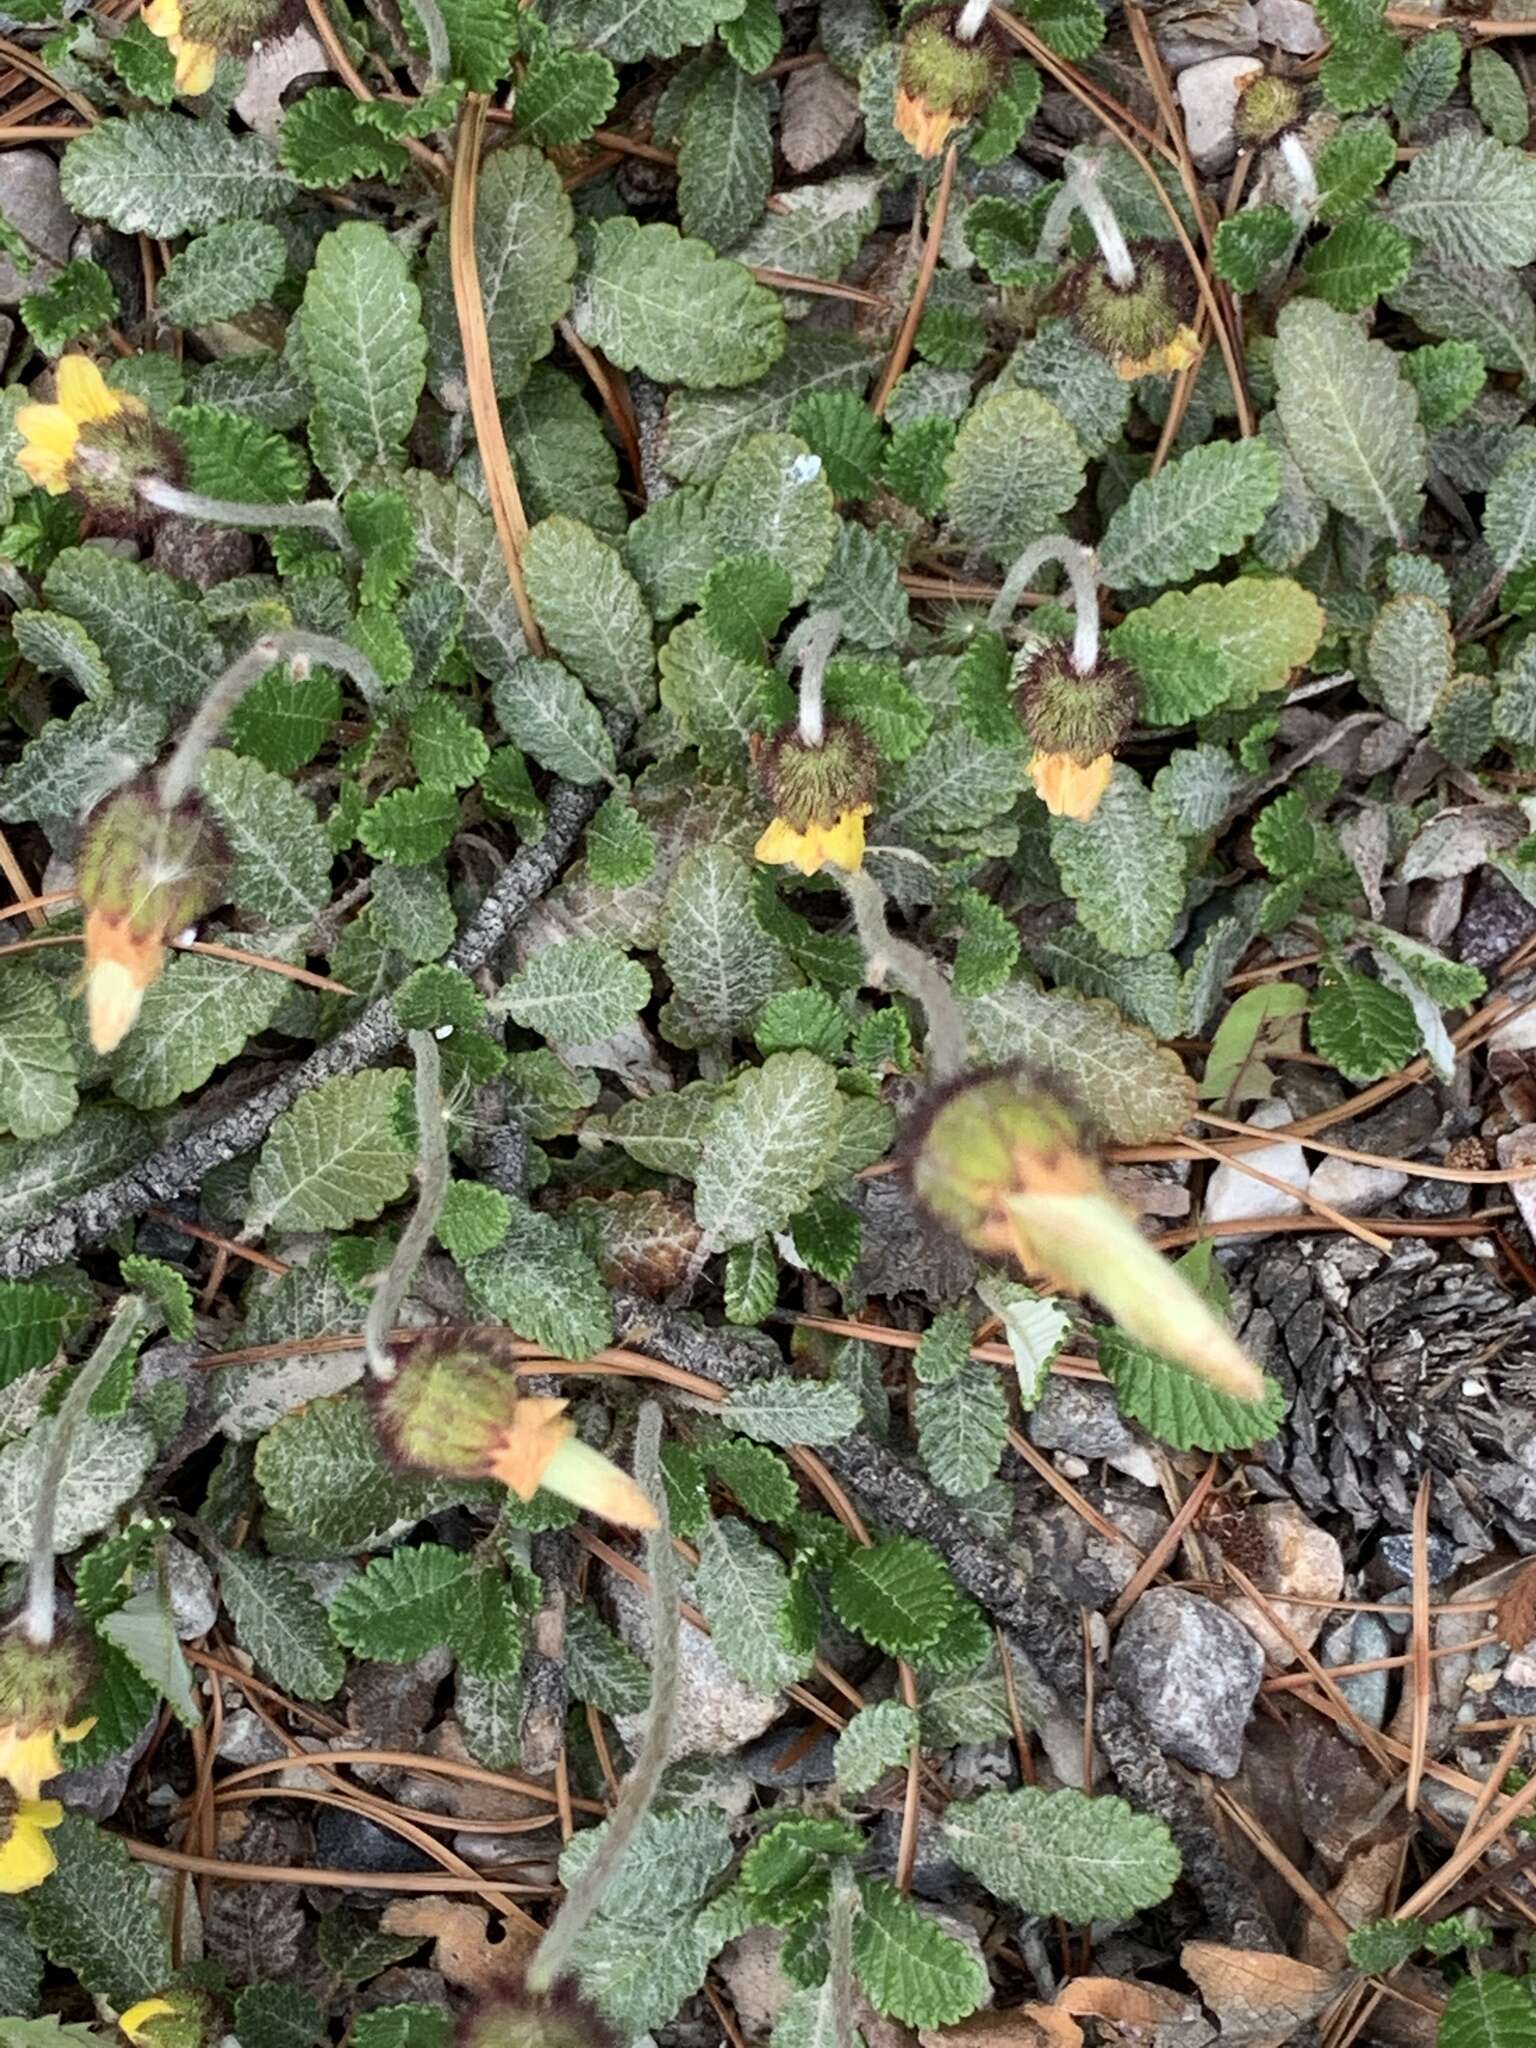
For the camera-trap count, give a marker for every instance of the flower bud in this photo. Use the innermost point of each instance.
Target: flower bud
(944, 82)
(454, 1406)
(560, 2019)
(143, 874)
(182, 2017)
(821, 794)
(1267, 108)
(42, 1689)
(1142, 328)
(1076, 722)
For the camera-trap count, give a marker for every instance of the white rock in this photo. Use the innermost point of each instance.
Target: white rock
(270, 72)
(1233, 1195)
(716, 1713)
(30, 201)
(1186, 37)
(1356, 1189)
(1208, 95)
(1299, 1559)
(1291, 25)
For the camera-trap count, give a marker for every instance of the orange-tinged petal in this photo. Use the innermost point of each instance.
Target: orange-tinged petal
(26, 1857)
(83, 391)
(926, 128)
(539, 1427)
(1067, 788)
(163, 18)
(195, 66)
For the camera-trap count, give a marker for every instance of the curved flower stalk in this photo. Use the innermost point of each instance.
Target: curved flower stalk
(432, 1169)
(99, 444)
(321, 515)
(887, 957)
(1136, 302)
(1077, 705)
(818, 773)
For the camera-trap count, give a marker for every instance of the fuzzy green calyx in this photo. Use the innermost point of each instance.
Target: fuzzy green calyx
(238, 26)
(1267, 108)
(110, 458)
(44, 1685)
(811, 785)
(182, 2017)
(561, 2019)
(994, 1135)
(1142, 328)
(151, 871)
(449, 1405)
(1083, 716)
(943, 82)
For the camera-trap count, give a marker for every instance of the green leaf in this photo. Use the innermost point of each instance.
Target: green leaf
(1258, 630)
(944, 1349)
(151, 635)
(78, 301)
(1015, 470)
(282, 1625)
(1178, 1407)
(1257, 1026)
(104, 1468)
(877, 1739)
(402, 2026)
(755, 36)
(321, 1469)
(1139, 1089)
(1446, 378)
(1124, 869)
(751, 1281)
(804, 1020)
(167, 1290)
(278, 2015)
(365, 350)
(1361, 1027)
(1471, 199)
(1380, 1945)
(897, 1594)
(334, 1159)
(767, 1148)
(621, 849)
(1509, 514)
(564, 95)
(541, 1282)
(988, 948)
(1350, 419)
(143, 1631)
(1488, 2010)
(703, 428)
(1361, 259)
(526, 257)
(545, 710)
(789, 1410)
(1063, 1853)
(1499, 96)
(724, 157)
(840, 428)
(771, 500)
(59, 645)
(401, 1605)
(226, 455)
(1431, 67)
(874, 696)
(592, 612)
(37, 1056)
(909, 1967)
(785, 1873)
(447, 748)
(283, 722)
(1411, 657)
(32, 1319)
(97, 1916)
(163, 174)
(717, 699)
(722, 965)
(576, 992)
(1451, 983)
(37, 1174)
(671, 1860)
(602, 1670)
(198, 1014)
(482, 35)
(1250, 244)
(666, 1132)
(473, 1219)
(282, 862)
(1351, 166)
(744, 1594)
(962, 1429)
(75, 761)
(410, 826)
(327, 139)
(1202, 506)
(654, 301)
(661, 29)
(916, 459)
(758, 1477)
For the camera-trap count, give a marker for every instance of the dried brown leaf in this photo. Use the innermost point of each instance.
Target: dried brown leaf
(464, 1953)
(1514, 1619)
(1259, 1999)
(1023, 2026)
(821, 111)
(1124, 2003)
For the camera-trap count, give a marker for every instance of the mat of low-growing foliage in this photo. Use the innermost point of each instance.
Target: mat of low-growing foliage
(604, 605)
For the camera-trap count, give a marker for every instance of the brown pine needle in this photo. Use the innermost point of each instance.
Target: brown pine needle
(901, 348)
(1419, 1742)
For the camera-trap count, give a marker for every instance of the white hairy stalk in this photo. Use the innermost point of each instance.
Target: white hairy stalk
(432, 1168)
(1093, 203)
(1299, 164)
(1082, 569)
(322, 514)
(886, 955)
(812, 645)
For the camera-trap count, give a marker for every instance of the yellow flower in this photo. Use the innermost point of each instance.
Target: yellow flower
(135, 2021)
(839, 844)
(50, 432)
(1167, 361)
(1067, 787)
(28, 1761)
(195, 61)
(26, 1854)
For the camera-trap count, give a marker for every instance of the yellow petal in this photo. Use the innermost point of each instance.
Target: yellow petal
(195, 66)
(49, 436)
(78, 1730)
(26, 1858)
(28, 1761)
(1067, 788)
(780, 845)
(83, 391)
(163, 18)
(843, 840)
(1167, 361)
(539, 1427)
(42, 1813)
(135, 2020)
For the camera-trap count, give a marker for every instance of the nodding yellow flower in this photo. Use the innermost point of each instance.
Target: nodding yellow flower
(26, 1854)
(1166, 361)
(839, 844)
(195, 61)
(135, 2022)
(29, 1757)
(51, 433)
(1070, 788)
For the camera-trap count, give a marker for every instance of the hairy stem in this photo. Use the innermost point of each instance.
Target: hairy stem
(1093, 203)
(811, 645)
(432, 1186)
(972, 15)
(186, 764)
(37, 1620)
(439, 54)
(321, 513)
(909, 965)
(1081, 565)
(839, 1985)
(1303, 177)
(585, 1895)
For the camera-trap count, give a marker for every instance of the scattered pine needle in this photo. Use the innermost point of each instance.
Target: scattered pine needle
(901, 348)
(1422, 1680)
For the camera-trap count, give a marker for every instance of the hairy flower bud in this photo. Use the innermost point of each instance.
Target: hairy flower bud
(1267, 108)
(560, 2019)
(1142, 328)
(1076, 722)
(821, 794)
(197, 32)
(943, 82)
(42, 1689)
(97, 443)
(143, 874)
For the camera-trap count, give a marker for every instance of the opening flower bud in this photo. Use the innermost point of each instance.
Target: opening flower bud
(1076, 721)
(42, 1689)
(944, 81)
(1002, 1162)
(1267, 108)
(197, 32)
(143, 874)
(97, 443)
(561, 2019)
(1143, 328)
(454, 1406)
(821, 794)
(181, 2018)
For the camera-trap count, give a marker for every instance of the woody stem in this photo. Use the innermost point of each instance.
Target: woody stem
(322, 514)
(912, 968)
(811, 645)
(37, 1620)
(432, 1182)
(186, 764)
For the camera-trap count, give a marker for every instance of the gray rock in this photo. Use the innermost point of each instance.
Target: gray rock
(934, 1875)
(31, 203)
(247, 1740)
(1395, 1554)
(1357, 1190)
(97, 1790)
(349, 1841)
(1291, 25)
(1208, 97)
(194, 1602)
(1189, 35)
(1437, 1198)
(716, 1713)
(1493, 924)
(813, 1766)
(1400, 1129)
(1080, 1418)
(270, 70)
(1357, 1641)
(1193, 1672)
(1518, 1149)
